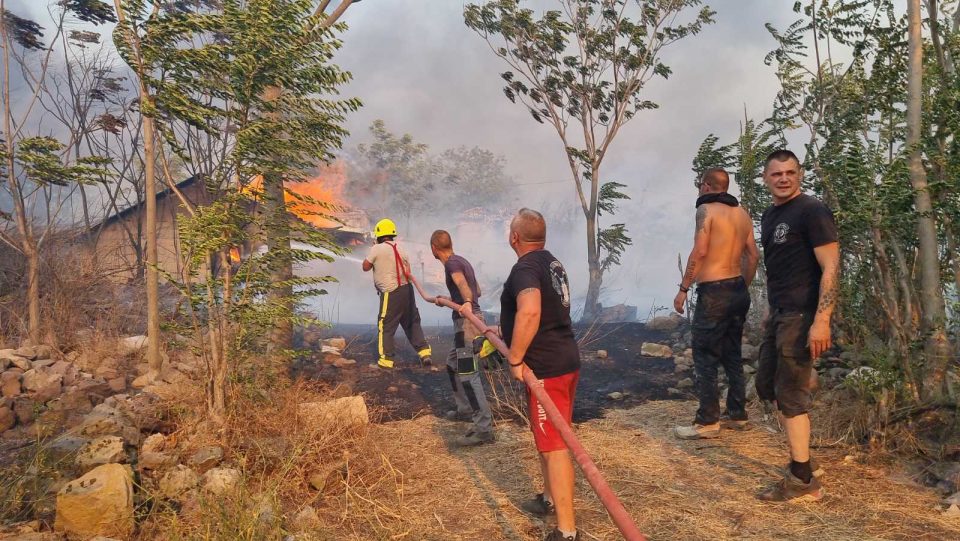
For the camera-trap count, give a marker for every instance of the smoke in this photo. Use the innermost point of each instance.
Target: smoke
(418, 67)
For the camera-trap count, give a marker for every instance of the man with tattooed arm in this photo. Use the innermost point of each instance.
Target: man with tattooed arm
(801, 253)
(723, 262)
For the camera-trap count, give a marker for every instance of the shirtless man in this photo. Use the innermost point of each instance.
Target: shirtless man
(723, 262)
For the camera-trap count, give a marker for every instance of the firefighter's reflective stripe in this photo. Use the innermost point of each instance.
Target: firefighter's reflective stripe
(383, 314)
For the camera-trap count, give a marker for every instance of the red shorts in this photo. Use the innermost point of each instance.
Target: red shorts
(561, 390)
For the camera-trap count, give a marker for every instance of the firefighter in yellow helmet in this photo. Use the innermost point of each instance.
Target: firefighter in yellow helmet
(398, 305)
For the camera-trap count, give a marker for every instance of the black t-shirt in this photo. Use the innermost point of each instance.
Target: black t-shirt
(553, 351)
(789, 233)
(458, 264)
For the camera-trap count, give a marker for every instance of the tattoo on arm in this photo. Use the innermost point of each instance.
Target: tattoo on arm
(691, 272)
(689, 276)
(701, 219)
(828, 298)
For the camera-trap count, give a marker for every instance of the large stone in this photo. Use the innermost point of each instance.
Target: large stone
(664, 323)
(155, 460)
(99, 503)
(25, 409)
(338, 343)
(221, 481)
(21, 363)
(649, 349)
(144, 380)
(305, 520)
(102, 450)
(346, 412)
(7, 418)
(685, 383)
(205, 458)
(118, 384)
(749, 353)
(27, 352)
(178, 481)
(132, 344)
(343, 363)
(107, 421)
(154, 443)
(73, 400)
(9, 384)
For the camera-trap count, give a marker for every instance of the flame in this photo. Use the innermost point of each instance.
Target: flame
(326, 187)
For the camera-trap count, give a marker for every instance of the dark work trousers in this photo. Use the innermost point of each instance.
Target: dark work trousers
(466, 377)
(399, 308)
(722, 308)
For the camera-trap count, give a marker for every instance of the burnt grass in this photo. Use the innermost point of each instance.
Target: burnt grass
(410, 390)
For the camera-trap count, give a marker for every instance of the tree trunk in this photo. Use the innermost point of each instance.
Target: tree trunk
(277, 232)
(152, 276)
(591, 307)
(936, 346)
(33, 290)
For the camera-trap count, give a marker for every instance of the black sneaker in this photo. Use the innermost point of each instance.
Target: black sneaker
(539, 506)
(454, 415)
(472, 439)
(557, 535)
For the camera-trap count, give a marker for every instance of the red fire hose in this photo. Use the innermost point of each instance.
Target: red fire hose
(620, 517)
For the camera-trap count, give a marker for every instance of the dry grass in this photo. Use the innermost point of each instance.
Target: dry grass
(675, 490)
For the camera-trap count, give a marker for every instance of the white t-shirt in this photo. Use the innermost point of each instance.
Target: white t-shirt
(384, 263)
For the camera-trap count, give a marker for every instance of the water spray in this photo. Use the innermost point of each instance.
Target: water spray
(618, 513)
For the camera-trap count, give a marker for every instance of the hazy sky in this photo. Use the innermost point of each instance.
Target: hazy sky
(418, 67)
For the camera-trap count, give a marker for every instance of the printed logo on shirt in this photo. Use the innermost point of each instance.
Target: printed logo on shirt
(780, 233)
(558, 275)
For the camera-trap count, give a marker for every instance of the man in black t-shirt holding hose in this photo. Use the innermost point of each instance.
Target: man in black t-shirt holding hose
(802, 254)
(536, 325)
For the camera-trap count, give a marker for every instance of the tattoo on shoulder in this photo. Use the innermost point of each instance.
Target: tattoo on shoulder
(527, 290)
(701, 217)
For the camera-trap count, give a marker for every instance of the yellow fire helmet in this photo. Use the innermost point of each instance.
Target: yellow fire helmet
(385, 228)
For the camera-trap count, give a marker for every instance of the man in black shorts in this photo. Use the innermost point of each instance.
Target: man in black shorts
(536, 325)
(802, 254)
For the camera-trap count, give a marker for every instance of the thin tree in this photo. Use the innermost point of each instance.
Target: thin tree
(936, 345)
(582, 69)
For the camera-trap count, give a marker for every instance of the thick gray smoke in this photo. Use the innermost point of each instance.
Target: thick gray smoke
(417, 66)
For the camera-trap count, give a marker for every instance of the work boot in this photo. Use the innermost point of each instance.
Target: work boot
(557, 535)
(385, 363)
(471, 439)
(697, 431)
(538, 506)
(791, 489)
(426, 362)
(456, 415)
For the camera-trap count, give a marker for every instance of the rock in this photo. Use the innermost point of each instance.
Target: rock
(205, 458)
(7, 418)
(347, 412)
(102, 450)
(178, 481)
(343, 363)
(27, 352)
(338, 343)
(685, 383)
(154, 443)
(953, 511)
(393, 389)
(67, 444)
(43, 363)
(21, 363)
(144, 380)
(132, 344)
(749, 352)
(118, 384)
(664, 323)
(107, 372)
(8, 355)
(25, 409)
(752, 387)
(615, 396)
(305, 520)
(851, 357)
(838, 372)
(863, 375)
(953, 499)
(649, 349)
(36, 378)
(602, 354)
(674, 392)
(155, 460)
(680, 368)
(9, 384)
(619, 312)
(749, 369)
(330, 350)
(107, 421)
(73, 400)
(99, 503)
(221, 481)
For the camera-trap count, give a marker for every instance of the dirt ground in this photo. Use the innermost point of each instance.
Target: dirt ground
(674, 489)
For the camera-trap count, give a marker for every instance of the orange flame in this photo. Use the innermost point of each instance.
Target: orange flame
(326, 187)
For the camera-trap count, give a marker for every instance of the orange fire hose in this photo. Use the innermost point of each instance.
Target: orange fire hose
(617, 512)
